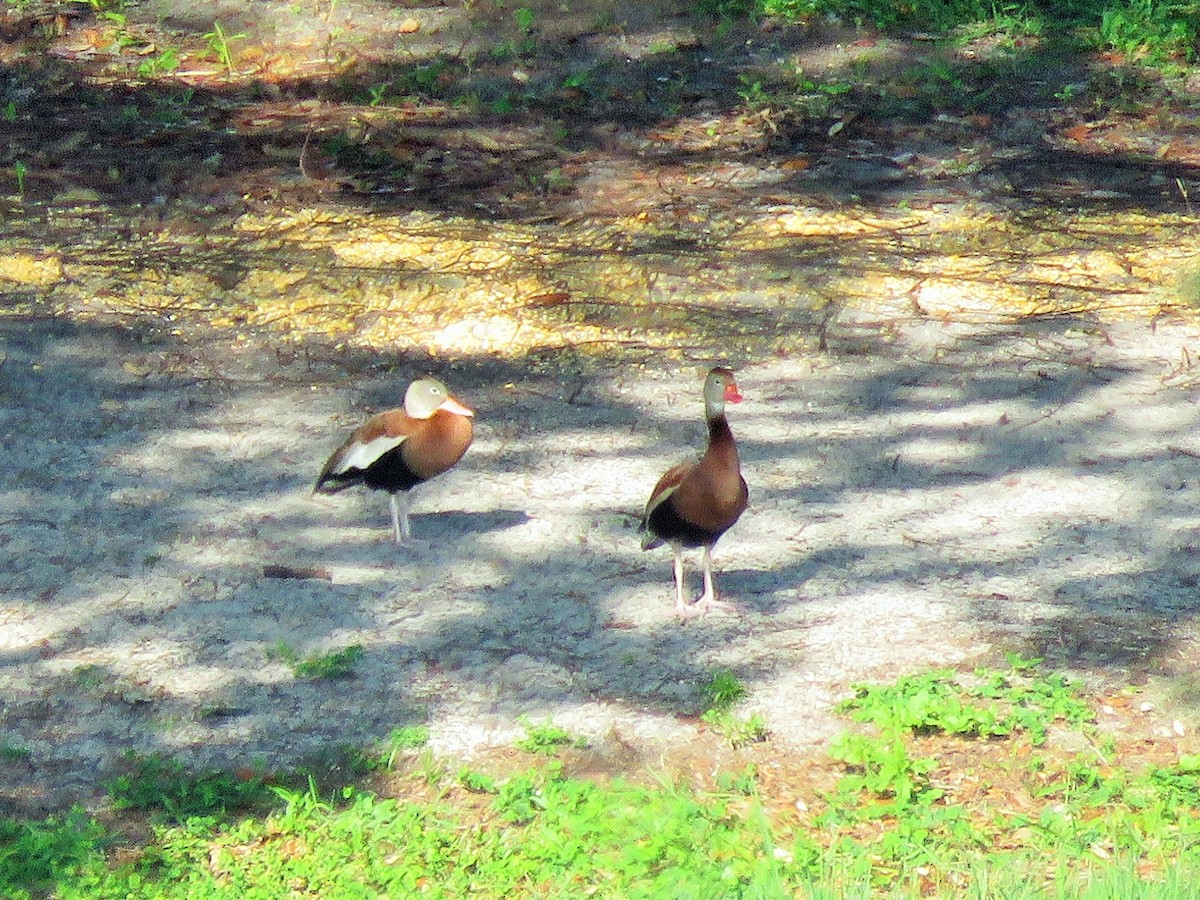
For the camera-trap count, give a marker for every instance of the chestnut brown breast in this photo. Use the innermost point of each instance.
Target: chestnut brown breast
(437, 444)
(693, 504)
(392, 451)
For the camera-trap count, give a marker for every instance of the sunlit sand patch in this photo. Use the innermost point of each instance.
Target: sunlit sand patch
(644, 282)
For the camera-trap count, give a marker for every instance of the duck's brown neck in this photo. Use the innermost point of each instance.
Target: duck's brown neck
(720, 438)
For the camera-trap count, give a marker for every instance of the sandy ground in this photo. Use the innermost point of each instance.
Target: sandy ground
(958, 493)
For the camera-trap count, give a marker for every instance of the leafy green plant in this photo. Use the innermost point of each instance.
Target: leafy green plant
(753, 92)
(376, 94)
(547, 739)
(13, 753)
(426, 78)
(1016, 699)
(729, 9)
(576, 80)
(1182, 781)
(19, 172)
(744, 782)
(34, 856)
(722, 693)
(432, 769)
(10, 111)
(723, 690)
(1155, 29)
(166, 61)
(334, 664)
(521, 798)
(524, 18)
(737, 730)
(220, 44)
(882, 766)
(410, 737)
(889, 828)
(166, 786)
(477, 782)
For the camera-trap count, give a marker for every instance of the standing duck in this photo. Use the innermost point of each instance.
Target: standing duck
(396, 450)
(694, 503)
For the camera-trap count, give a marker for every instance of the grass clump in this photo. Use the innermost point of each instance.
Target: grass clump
(997, 703)
(165, 786)
(723, 691)
(547, 739)
(334, 664)
(955, 788)
(1150, 30)
(36, 856)
(555, 837)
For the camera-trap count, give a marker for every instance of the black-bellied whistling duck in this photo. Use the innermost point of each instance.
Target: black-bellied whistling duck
(396, 450)
(694, 503)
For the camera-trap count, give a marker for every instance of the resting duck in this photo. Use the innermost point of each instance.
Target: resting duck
(396, 450)
(694, 503)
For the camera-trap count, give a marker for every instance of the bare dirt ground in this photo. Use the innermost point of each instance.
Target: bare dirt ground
(966, 346)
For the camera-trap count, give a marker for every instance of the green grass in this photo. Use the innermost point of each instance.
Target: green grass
(722, 692)
(334, 664)
(36, 856)
(547, 739)
(994, 703)
(1152, 30)
(949, 785)
(168, 788)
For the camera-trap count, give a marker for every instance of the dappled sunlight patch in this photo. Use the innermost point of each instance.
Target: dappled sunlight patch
(24, 628)
(1050, 497)
(818, 222)
(936, 452)
(31, 269)
(653, 281)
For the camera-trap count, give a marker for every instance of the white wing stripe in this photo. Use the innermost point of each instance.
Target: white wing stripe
(360, 456)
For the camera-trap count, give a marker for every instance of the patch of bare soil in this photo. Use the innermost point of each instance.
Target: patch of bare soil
(964, 331)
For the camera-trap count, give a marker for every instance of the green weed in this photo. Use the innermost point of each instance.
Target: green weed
(477, 782)
(548, 739)
(35, 856)
(401, 740)
(166, 61)
(376, 94)
(1152, 29)
(20, 170)
(334, 664)
(12, 753)
(220, 44)
(723, 690)
(735, 729)
(743, 782)
(1155, 31)
(998, 702)
(166, 786)
(721, 694)
(896, 822)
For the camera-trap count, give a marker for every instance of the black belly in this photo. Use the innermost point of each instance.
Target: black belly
(667, 524)
(388, 473)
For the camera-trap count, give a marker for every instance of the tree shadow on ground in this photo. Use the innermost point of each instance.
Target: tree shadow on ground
(904, 513)
(449, 127)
